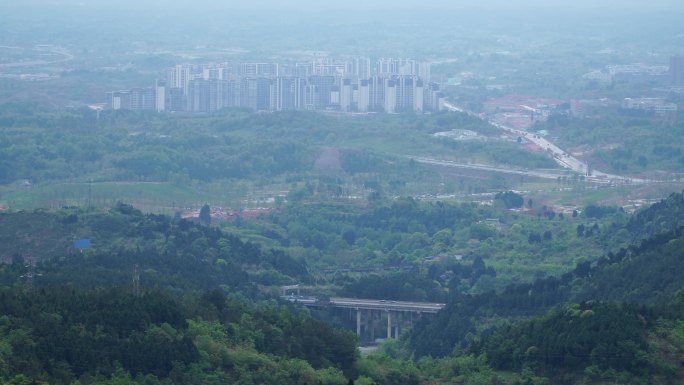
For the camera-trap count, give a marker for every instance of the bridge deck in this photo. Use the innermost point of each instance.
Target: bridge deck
(378, 304)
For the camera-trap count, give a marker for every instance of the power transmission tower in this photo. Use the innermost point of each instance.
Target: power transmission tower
(30, 264)
(90, 185)
(136, 281)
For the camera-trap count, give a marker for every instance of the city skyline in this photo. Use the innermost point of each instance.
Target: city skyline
(346, 85)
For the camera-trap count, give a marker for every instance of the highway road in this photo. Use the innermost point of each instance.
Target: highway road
(559, 155)
(368, 304)
(374, 304)
(506, 170)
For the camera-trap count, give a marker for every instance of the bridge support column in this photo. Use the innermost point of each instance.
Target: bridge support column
(358, 323)
(389, 324)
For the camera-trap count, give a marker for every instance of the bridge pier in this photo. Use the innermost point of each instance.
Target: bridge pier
(372, 324)
(358, 323)
(370, 313)
(368, 320)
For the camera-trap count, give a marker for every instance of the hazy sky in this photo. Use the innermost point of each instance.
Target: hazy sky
(460, 4)
(201, 20)
(360, 5)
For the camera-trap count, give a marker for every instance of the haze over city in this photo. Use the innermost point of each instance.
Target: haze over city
(356, 192)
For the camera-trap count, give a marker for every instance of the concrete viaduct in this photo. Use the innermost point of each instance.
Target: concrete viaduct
(370, 312)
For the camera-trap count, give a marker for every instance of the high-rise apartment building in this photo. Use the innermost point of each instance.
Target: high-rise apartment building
(405, 89)
(133, 99)
(363, 97)
(676, 70)
(376, 93)
(434, 98)
(346, 95)
(390, 96)
(160, 95)
(418, 95)
(179, 77)
(322, 88)
(289, 93)
(361, 67)
(346, 85)
(175, 99)
(257, 70)
(255, 93)
(198, 96)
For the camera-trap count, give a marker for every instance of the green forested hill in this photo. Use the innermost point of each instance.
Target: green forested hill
(664, 216)
(62, 335)
(617, 321)
(590, 343)
(84, 301)
(459, 247)
(82, 322)
(644, 274)
(647, 273)
(168, 253)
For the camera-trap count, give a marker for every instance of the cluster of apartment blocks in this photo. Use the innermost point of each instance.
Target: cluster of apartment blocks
(657, 105)
(350, 85)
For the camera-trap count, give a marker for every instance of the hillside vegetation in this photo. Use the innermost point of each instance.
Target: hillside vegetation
(203, 313)
(615, 320)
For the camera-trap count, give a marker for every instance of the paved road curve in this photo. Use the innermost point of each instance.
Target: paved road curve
(561, 157)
